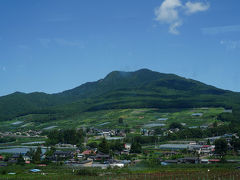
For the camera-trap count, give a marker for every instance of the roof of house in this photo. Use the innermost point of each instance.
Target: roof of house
(62, 152)
(206, 146)
(102, 156)
(214, 160)
(88, 152)
(189, 158)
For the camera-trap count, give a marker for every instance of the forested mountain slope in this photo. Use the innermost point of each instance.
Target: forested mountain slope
(142, 88)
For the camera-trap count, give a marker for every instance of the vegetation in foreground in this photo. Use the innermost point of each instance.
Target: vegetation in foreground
(214, 171)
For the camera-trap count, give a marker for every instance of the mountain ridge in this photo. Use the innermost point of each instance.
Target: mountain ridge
(119, 89)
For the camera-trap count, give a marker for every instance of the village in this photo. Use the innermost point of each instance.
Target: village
(161, 142)
(114, 151)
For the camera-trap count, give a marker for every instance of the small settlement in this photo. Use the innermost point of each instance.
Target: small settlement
(103, 148)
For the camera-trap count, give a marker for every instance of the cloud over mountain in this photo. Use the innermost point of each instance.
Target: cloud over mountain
(172, 12)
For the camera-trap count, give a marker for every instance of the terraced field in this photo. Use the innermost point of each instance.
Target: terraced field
(132, 118)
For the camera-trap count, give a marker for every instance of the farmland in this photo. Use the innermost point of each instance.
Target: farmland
(221, 171)
(132, 118)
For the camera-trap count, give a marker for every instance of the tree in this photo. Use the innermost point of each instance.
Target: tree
(215, 124)
(174, 125)
(116, 146)
(92, 145)
(221, 146)
(50, 151)
(208, 142)
(236, 144)
(37, 155)
(30, 153)
(120, 120)
(158, 131)
(103, 146)
(20, 160)
(136, 147)
(127, 130)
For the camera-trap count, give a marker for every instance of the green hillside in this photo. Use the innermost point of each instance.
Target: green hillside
(118, 90)
(148, 118)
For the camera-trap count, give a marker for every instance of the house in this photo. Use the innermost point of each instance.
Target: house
(65, 145)
(125, 152)
(62, 155)
(170, 153)
(26, 158)
(189, 160)
(14, 158)
(214, 160)
(204, 161)
(127, 146)
(206, 149)
(101, 156)
(88, 152)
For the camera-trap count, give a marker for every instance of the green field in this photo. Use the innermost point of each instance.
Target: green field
(132, 118)
(212, 171)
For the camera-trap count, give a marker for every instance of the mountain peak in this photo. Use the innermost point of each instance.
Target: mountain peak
(117, 74)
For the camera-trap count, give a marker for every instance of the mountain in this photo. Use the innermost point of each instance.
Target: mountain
(142, 88)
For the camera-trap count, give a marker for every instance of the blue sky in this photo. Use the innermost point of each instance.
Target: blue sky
(55, 45)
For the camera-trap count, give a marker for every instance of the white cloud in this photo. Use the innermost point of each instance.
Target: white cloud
(173, 27)
(230, 44)
(194, 7)
(168, 12)
(220, 29)
(171, 11)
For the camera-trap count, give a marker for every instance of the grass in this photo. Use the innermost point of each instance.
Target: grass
(140, 171)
